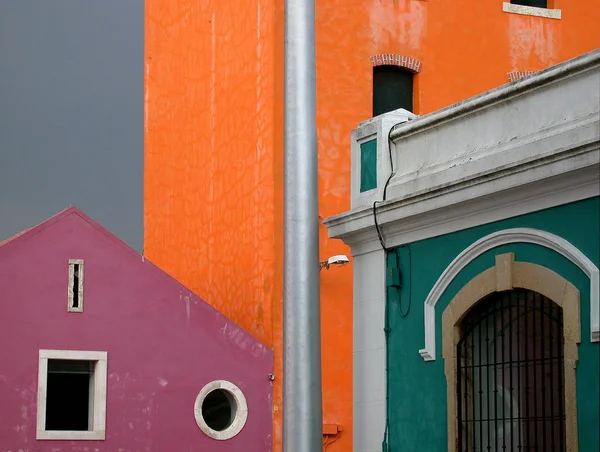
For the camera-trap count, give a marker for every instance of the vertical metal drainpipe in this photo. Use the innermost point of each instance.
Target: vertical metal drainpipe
(302, 411)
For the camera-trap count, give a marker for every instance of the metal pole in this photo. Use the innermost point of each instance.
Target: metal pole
(302, 411)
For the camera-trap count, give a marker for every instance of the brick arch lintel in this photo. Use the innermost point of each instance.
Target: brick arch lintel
(518, 75)
(393, 59)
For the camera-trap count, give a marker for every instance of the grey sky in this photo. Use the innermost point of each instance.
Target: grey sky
(71, 112)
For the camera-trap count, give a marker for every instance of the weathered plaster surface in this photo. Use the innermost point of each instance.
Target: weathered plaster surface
(164, 344)
(548, 13)
(213, 137)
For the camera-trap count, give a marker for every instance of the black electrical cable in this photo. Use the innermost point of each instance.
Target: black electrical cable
(387, 328)
(405, 314)
(387, 182)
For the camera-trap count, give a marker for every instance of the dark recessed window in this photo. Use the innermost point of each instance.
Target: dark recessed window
(535, 3)
(69, 395)
(218, 410)
(75, 285)
(392, 89)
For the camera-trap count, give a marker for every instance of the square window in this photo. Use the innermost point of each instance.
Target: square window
(71, 395)
(69, 392)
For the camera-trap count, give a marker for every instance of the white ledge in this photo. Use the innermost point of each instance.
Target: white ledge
(491, 197)
(532, 11)
(500, 94)
(521, 126)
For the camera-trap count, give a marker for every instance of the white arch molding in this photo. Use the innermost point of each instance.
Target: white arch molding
(505, 237)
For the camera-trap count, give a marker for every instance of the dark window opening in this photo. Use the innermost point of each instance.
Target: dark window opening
(510, 380)
(218, 410)
(392, 89)
(535, 3)
(68, 395)
(75, 287)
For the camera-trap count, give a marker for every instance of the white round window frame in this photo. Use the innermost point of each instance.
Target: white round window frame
(241, 410)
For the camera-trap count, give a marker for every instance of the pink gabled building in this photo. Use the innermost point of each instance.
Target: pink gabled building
(102, 349)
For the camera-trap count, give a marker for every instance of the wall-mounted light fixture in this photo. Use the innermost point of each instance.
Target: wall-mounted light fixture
(338, 259)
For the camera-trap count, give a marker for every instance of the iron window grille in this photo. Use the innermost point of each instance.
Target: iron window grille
(510, 381)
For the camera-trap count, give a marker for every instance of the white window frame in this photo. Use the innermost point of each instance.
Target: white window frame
(72, 263)
(240, 407)
(548, 13)
(97, 396)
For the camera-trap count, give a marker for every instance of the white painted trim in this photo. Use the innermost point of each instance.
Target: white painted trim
(532, 11)
(504, 237)
(98, 431)
(406, 221)
(70, 307)
(374, 129)
(558, 73)
(368, 351)
(81, 355)
(479, 212)
(240, 413)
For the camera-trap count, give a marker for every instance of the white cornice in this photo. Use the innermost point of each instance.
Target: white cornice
(527, 152)
(491, 197)
(570, 68)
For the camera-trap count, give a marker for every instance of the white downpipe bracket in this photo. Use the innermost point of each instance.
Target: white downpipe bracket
(504, 237)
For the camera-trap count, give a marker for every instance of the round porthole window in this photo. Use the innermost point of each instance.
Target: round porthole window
(221, 410)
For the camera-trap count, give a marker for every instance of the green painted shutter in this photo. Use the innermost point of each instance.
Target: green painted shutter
(368, 165)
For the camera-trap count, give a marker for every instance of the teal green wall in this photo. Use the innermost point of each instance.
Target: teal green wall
(417, 389)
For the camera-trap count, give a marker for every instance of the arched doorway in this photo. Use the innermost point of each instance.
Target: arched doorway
(518, 281)
(510, 383)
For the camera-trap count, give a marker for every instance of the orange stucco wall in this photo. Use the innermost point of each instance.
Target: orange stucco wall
(213, 131)
(213, 157)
